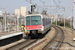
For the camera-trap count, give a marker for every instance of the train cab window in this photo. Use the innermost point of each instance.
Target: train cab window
(35, 20)
(27, 20)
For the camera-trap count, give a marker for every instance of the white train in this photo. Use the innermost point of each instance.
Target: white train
(37, 23)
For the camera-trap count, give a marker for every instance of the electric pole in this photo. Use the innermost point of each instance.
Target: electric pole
(30, 1)
(30, 5)
(74, 16)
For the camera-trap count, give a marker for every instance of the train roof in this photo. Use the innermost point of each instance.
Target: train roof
(33, 14)
(36, 15)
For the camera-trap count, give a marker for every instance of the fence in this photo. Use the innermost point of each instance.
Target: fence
(13, 22)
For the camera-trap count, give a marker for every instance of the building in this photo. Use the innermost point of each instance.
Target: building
(1, 13)
(17, 11)
(53, 17)
(23, 11)
(61, 15)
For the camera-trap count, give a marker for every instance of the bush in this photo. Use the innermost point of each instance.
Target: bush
(54, 23)
(67, 24)
(61, 24)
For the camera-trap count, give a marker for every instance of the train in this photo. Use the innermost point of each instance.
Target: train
(37, 24)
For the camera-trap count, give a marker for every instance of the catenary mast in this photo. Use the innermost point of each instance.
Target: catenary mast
(74, 15)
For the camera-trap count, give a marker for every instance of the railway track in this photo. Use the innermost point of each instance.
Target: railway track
(22, 45)
(54, 43)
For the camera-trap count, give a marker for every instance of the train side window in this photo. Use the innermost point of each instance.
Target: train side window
(43, 21)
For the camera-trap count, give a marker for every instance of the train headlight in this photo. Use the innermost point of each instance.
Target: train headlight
(39, 27)
(27, 27)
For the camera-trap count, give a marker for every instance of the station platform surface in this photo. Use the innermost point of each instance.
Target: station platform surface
(8, 35)
(3, 33)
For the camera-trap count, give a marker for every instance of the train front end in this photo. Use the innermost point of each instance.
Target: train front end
(33, 25)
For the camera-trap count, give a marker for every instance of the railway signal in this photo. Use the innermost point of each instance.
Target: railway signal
(32, 8)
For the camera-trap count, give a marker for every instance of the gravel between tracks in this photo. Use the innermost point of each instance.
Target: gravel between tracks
(68, 37)
(49, 36)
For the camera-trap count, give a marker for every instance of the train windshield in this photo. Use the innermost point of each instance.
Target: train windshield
(35, 20)
(28, 20)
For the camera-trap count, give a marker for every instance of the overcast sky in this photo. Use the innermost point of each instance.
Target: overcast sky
(11, 5)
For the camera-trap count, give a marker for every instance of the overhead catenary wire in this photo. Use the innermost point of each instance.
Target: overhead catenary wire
(43, 2)
(29, 1)
(57, 5)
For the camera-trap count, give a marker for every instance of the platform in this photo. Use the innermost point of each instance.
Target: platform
(3, 34)
(8, 35)
(7, 38)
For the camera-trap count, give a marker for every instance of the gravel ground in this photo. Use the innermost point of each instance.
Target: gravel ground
(49, 36)
(69, 35)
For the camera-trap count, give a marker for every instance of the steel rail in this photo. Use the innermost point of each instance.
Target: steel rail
(54, 37)
(22, 45)
(28, 45)
(61, 40)
(50, 40)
